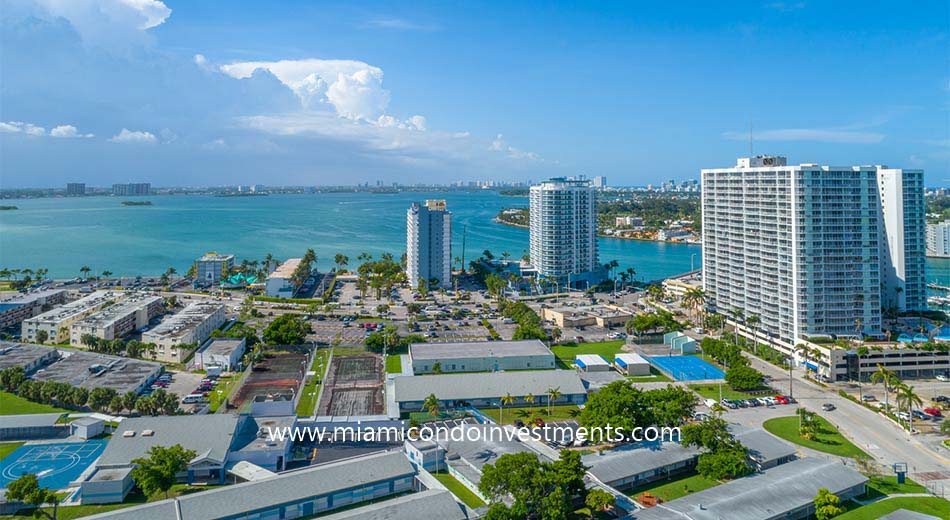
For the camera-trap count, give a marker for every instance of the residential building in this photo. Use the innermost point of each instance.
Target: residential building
(177, 335)
(796, 246)
(89, 369)
(432, 503)
(563, 232)
(56, 323)
(22, 306)
(628, 221)
(132, 188)
(480, 356)
(903, 238)
(281, 283)
(938, 239)
(429, 244)
(300, 493)
(223, 352)
(607, 316)
(637, 464)
(210, 268)
(672, 234)
(482, 389)
(765, 450)
(75, 189)
(28, 357)
(786, 492)
(600, 182)
(116, 321)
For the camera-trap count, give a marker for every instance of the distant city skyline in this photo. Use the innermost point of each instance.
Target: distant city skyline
(180, 93)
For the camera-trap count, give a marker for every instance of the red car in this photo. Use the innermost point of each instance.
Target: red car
(781, 399)
(933, 412)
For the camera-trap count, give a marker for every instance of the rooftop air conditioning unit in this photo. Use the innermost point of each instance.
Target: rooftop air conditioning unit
(147, 433)
(128, 433)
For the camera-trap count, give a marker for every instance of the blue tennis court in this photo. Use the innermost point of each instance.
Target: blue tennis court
(686, 368)
(56, 465)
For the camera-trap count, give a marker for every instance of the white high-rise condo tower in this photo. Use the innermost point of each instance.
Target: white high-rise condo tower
(429, 244)
(811, 250)
(563, 243)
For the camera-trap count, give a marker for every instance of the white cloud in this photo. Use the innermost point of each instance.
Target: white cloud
(16, 127)
(68, 132)
(135, 137)
(400, 25)
(352, 88)
(109, 22)
(154, 12)
(499, 145)
(821, 135)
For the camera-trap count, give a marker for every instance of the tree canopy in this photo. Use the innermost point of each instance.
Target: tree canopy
(158, 472)
(542, 490)
(288, 329)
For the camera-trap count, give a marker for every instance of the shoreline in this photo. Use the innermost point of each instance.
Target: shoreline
(502, 222)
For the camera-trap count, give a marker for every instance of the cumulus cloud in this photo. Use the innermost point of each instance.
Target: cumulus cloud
(821, 135)
(498, 144)
(354, 89)
(17, 127)
(134, 137)
(68, 132)
(109, 22)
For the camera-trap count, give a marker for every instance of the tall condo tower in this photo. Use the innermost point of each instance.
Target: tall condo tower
(429, 244)
(563, 232)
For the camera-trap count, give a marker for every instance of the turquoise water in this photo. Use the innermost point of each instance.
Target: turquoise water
(64, 234)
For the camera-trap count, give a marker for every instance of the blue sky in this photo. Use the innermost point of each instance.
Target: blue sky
(211, 93)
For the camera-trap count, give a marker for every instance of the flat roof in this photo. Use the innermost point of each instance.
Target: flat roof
(32, 420)
(479, 349)
(287, 487)
(183, 321)
(116, 312)
(433, 503)
(286, 269)
(215, 257)
(481, 385)
(31, 297)
(616, 464)
(223, 346)
(22, 354)
(769, 494)
(762, 445)
(119, 373)
(630, 358)
(491, 443)
(590, 360)
(78, 307)
(209, 435)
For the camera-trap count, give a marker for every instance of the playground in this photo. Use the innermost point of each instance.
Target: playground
(56, 465)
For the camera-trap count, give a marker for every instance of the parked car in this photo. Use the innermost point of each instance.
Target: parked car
(828, 407)
(904, 416)
(942, 399)
(920, 415)
(933, 412)
(519, 423)
(868, 398)
(943, 377)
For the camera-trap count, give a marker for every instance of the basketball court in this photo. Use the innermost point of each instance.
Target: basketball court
(56, 465)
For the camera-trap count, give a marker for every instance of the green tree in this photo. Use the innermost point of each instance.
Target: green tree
(27, 489)
(728, 463)
(827, 505)
(288, 329)
(11, 378)
(100, 397)
(506, 400)
(599, 500)
(159, 470)
(431, 405)
(538, 489)
(41, 337)
(743, 377)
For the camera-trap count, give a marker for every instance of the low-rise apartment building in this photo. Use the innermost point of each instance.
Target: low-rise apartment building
(600, 315)
(117, 320)
(22, 306)
(57, 322)
(280, 283)
(209, 269)
(189, 327)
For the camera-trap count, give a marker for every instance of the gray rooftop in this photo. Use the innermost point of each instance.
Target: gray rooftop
(119, 373)
(21, 354)
(30, 297)
(33, 420)
(179, 323)
(762, 445)
(487, 384)
(762, 496)
(479, 349)
(903, 514)
(120, 310)
(286, 487)
(85, 305)
(611, 465)
(209, 435)
(434, 503)
(86, 421)
(223, 346)
(492, 443)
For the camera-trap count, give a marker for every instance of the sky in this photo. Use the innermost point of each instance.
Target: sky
(199, 93)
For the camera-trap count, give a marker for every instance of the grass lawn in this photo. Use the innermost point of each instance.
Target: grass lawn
(225, 384)
(828, 439)
(7, 448)
(393, 364)
(712, 392)
(887, 485)
(677, 487)
(374, 320)
(558, 413)
(655, 377)
(608, 349)
(459, 490)
(11, 404)
(933, 506)
(308, 397)
(135, 498)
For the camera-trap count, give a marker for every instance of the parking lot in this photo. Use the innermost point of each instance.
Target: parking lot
(182, 384)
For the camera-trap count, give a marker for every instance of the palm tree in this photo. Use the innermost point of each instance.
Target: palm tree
(84, 271)
(553, 395)
(431, 404)
(805, 351)
(907, 396)
(506, 400)
(106, 274)
(529, 399)
(888, 377)
(737, 317)
(754, 321)
(556, 334)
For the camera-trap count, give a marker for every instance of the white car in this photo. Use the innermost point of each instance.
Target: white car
(943, 377)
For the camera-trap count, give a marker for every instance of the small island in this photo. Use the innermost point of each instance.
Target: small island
(8, 208)
(136, 203)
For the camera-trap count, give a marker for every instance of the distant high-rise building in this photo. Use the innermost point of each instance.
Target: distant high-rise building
(563, 231)
(810, 250)
(132, 189)
(600, 181)
(429, 243)
(938, 239)
(75, 188)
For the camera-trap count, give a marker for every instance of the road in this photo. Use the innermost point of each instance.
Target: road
(877, 436)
